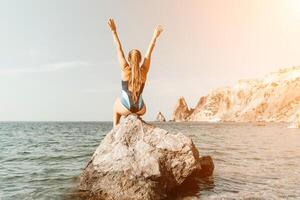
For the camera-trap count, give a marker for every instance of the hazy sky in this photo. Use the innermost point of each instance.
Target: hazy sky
(58, 60)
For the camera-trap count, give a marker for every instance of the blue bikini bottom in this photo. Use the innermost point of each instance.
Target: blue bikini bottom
(127, 102)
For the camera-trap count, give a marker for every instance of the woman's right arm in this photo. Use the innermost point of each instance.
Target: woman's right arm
(148, 54)
(120, 52)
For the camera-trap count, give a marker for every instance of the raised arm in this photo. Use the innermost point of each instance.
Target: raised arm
(156, 34)
(121, 57)
(148, 54)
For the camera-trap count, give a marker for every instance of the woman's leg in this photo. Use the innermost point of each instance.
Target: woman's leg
(118, 111)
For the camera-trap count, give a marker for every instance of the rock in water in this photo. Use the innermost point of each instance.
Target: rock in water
(160, 117)
(181, 111)
(139, 161)
(297, 121)
(298, 124)
(207, 166)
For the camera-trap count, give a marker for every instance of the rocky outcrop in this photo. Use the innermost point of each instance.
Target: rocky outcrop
(181, 111)
(160, 117)
(139, 161)
(295, 123)
(274, 98)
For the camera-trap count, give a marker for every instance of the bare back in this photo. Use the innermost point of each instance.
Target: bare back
(126, 70)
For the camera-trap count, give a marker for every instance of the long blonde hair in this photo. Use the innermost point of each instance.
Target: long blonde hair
(135, 80)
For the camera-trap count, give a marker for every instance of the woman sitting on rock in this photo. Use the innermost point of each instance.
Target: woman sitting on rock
(133, 77)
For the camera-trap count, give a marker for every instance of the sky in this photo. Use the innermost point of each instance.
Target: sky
(58, 61)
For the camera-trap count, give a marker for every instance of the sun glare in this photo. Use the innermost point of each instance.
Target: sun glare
(294, 8)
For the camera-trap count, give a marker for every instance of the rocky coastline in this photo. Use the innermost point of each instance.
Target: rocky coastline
(273, 98)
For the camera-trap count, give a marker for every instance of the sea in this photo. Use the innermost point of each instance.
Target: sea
(43, 160)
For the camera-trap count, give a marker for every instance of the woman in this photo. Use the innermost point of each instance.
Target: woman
(133, 77)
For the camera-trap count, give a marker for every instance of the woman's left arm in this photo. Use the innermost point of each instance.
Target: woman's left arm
(147, 59)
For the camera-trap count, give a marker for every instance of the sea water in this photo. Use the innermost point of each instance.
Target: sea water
(42, 160)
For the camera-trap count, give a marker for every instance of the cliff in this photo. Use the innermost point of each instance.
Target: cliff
(274, 98)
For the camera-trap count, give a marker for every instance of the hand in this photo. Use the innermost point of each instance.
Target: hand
(157, 31)
(112, 25)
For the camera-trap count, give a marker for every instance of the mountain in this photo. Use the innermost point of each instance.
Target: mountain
(273, 98)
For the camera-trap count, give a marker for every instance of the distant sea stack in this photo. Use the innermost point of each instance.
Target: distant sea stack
(181, 111)
(274, 98)
(140, 161)
(160, 117)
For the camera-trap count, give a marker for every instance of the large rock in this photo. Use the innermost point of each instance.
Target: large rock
(181, 111)
(160, 117)
(139, 161)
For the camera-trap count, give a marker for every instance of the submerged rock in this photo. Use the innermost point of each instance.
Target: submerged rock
(160, 117)
(181, 111)
(139, 161)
